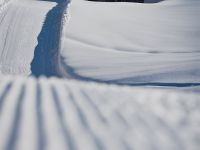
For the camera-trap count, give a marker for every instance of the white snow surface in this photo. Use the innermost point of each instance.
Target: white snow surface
(57, 114)
(134, 43)
(155, 43)
(20, 24)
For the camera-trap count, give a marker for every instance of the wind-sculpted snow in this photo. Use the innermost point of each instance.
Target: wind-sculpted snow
(131, 43)
(148, 46)
(65, 114)
(138, 44)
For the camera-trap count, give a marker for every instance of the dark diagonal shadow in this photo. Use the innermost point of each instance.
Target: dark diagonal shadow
(16, 121)
(71, 71)
(4, 94)
(47, 60)
(84, 121)
(46, 55)
(66, 132)
(41, 139)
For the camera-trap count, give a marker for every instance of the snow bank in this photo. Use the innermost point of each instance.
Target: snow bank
(65, 114)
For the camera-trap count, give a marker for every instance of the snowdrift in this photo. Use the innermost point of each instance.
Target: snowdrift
(151, 43)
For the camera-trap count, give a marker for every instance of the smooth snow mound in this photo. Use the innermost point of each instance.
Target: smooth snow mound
(65, 114)
(134, 43)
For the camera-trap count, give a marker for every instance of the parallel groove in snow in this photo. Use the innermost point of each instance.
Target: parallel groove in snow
(15, 129)
(40, 125)
(63, 114)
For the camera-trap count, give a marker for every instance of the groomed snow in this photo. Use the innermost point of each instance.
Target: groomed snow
(62, 114)
(21, 22)
(151, 43)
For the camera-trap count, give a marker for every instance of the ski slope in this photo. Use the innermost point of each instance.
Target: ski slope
(66, 114)
(131, 43)
(151, 44)
(20, 26)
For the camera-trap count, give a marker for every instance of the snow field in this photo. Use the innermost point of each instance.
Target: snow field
(67, 114)
(134, 43)
(147, 47)
(20, 26)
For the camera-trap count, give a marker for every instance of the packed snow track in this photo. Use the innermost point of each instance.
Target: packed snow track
(57, 114)
(28, 27)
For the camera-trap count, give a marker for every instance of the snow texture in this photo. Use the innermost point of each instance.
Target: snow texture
(151, 44)
(20, 26)
(155, 43)
(4, 4)
(65, 114)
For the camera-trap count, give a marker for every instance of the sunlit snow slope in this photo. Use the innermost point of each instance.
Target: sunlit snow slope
(151, 43)
(55, 114)
(20, 24)
(147, 44)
